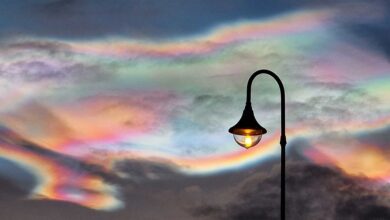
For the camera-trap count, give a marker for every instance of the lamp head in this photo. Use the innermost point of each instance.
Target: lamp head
(247, 132)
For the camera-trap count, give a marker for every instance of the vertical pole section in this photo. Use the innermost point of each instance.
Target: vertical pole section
(283, 178)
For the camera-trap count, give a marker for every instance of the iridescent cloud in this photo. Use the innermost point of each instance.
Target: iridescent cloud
(57, 181)
(218, 39)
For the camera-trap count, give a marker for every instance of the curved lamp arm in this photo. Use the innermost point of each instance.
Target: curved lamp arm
(283, 140)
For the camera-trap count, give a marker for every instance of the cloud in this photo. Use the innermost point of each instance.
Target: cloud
(313, 192)
(140, 171)
(370, 32)
(52, 47)
(379, 138)
(329, 103)
(360, 154)
(45, 61)
(9, 137)
(85, 183)
(11, 191)
(37, 123)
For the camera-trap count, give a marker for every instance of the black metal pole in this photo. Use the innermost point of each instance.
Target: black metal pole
(283, 181)
(283, 140)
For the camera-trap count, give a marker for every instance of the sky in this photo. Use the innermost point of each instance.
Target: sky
(120, 109)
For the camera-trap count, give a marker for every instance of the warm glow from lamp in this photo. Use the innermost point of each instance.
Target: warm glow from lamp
(248, 141)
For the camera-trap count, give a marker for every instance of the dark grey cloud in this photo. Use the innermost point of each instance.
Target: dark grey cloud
(379, 138)
(10, 190)
(313, 192)
(52, 47)
(140, 171)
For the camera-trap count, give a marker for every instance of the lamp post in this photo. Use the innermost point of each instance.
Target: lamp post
(247, 132)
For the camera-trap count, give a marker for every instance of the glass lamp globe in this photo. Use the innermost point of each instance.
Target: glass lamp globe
(247, 141)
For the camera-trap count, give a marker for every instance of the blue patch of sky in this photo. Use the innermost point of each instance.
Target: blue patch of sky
(144, 19)
(16, 175)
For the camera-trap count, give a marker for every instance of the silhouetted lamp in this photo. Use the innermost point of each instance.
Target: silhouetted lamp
(248, 132)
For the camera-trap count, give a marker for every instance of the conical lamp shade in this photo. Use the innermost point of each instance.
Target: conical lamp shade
(247, 125)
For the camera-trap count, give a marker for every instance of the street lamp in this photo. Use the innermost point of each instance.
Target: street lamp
(247, 132)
